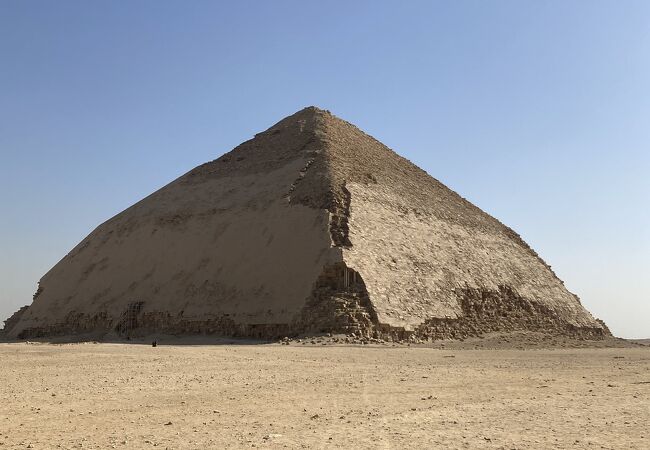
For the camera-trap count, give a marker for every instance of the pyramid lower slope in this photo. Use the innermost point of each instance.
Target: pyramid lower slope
(312, 226)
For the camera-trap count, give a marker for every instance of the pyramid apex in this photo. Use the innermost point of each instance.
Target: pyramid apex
(314, 108)
(311, 111)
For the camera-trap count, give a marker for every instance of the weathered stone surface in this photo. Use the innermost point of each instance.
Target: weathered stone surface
(13, 320)
(310, 227)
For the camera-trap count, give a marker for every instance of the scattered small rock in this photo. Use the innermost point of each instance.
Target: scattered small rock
(271, 436)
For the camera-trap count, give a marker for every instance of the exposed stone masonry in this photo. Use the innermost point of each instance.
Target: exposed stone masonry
(340, 304)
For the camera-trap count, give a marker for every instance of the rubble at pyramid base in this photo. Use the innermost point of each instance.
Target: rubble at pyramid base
(335, 310)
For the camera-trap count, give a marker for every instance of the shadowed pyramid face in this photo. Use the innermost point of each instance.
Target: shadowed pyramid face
(311, 226)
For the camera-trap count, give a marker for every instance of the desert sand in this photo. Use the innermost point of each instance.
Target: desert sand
(309, 395)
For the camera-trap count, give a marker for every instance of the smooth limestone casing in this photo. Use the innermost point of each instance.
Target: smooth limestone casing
(412, 263)
(243, 251)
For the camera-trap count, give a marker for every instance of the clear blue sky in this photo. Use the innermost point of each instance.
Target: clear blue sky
(536, 111)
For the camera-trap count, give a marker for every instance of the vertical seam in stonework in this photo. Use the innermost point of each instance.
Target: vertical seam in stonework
(339, 198)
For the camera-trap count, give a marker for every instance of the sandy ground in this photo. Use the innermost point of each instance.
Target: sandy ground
(313, 396)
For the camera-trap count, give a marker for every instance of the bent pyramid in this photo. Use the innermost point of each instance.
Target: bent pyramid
(312, 226)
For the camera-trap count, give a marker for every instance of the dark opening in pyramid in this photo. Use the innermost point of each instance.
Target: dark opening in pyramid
(310, 227)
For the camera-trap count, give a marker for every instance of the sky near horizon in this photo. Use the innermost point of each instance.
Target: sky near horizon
(537, 112)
